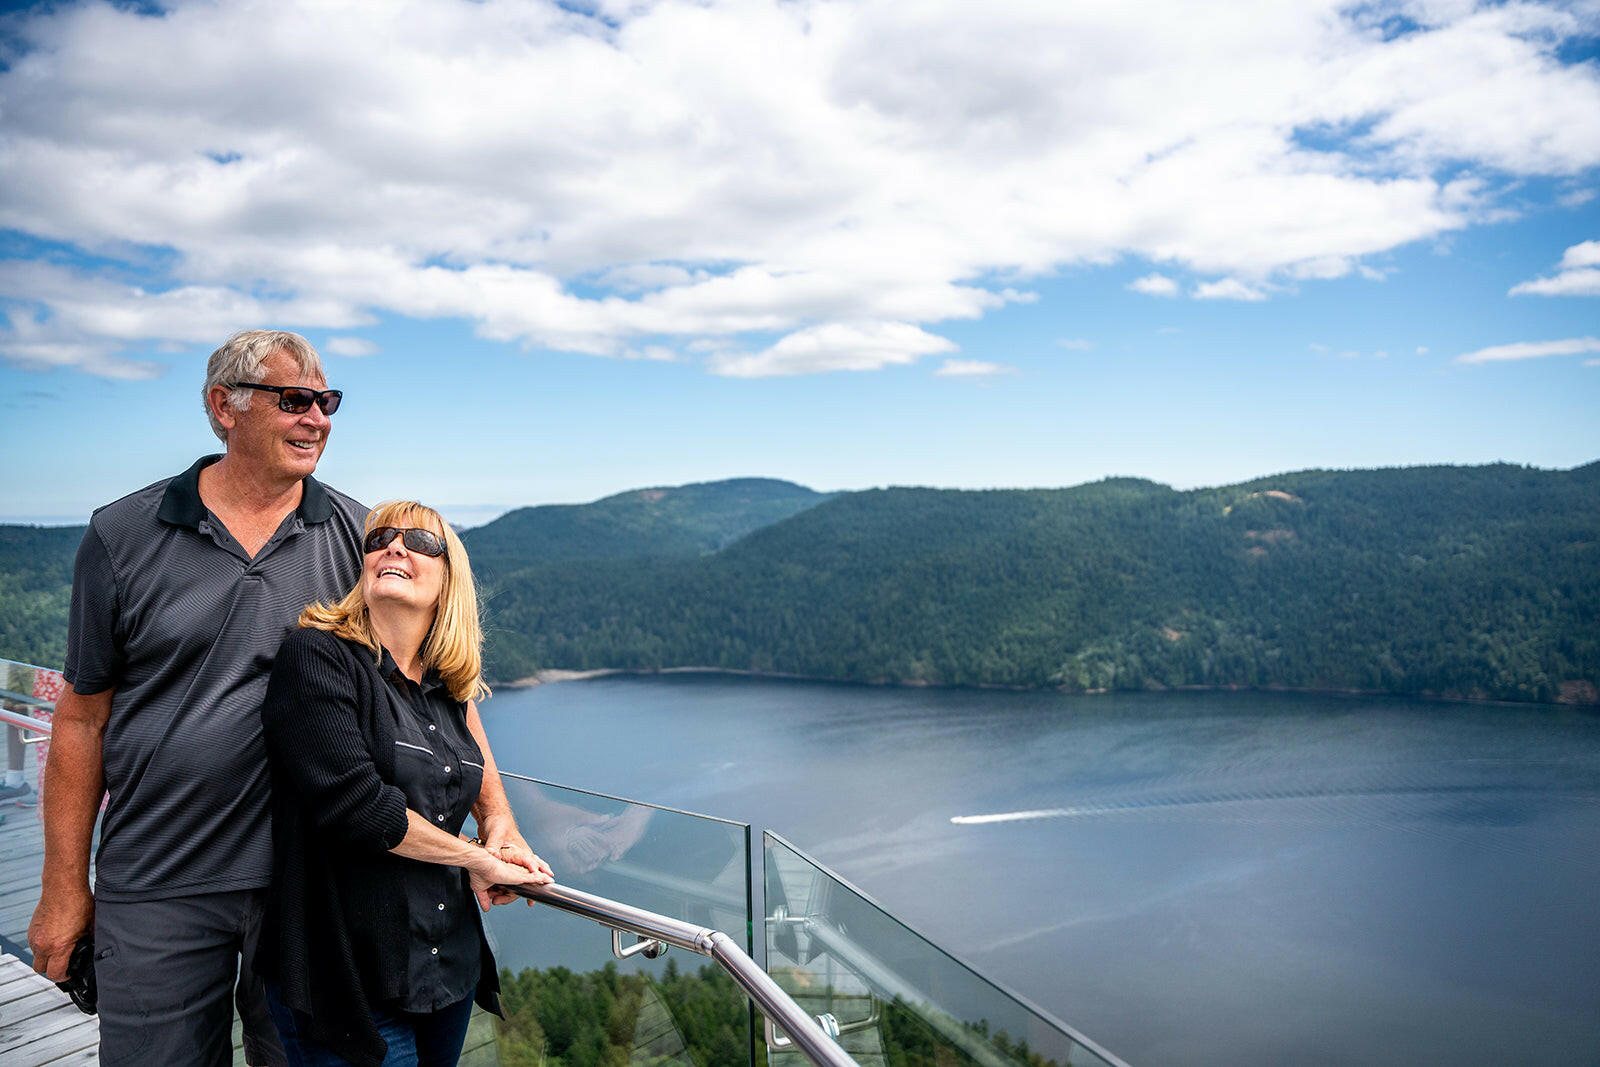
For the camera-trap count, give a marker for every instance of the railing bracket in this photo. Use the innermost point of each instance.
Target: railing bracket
(777, 1041)
(648, 947)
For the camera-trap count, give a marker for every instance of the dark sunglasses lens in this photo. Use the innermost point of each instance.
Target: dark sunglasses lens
(296, 401)
(425, 541)
(379, 538)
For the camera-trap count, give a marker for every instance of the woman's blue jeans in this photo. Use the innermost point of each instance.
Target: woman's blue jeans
(426, 1039)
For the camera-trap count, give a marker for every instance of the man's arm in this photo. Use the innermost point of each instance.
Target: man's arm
(75, 782)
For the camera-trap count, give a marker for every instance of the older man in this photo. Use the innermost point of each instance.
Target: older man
(181, 594)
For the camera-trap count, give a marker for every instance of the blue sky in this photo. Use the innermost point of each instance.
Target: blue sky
(555, 252)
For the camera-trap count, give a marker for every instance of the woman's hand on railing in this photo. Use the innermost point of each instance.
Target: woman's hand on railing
(506, 865)
(500, 837)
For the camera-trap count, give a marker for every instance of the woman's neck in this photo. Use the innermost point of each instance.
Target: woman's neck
(402, 632)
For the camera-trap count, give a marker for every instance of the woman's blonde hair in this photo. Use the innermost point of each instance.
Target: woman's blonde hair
(454, 646)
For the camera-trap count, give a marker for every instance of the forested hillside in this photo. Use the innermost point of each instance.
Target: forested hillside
(35, 585)
(1458, 581)
(686, 520)
(1480, 582)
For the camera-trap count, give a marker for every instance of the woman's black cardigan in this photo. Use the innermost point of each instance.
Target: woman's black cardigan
(337, 928)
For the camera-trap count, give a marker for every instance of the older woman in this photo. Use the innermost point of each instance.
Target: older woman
(372, 947)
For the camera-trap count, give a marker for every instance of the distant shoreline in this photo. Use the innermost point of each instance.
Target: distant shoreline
(552, 675)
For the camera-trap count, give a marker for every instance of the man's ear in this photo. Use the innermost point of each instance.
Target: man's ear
(221, 409)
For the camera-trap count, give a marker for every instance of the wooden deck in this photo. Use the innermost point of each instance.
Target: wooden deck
(38, 1022)
(21, 859)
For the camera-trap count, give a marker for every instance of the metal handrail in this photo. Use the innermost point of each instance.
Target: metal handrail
(804, 1032)
(25, 722)
(20, 718)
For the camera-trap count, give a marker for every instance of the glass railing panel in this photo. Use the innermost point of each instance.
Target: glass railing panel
(897, 998)
(568, 1001)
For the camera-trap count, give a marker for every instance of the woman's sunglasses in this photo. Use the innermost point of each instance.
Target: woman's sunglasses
(414, 538)
(296, 399)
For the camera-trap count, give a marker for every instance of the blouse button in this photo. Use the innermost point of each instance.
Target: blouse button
(431, 726)
(441, 817)
(447, 768)
(441, 907)
(433, 951)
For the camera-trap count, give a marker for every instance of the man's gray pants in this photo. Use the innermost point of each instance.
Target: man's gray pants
(169, 972)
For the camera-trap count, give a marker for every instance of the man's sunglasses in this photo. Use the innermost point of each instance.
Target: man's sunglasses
(414, 538)
(296, 399)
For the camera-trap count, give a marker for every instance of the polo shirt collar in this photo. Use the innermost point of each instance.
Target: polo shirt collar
(181, 505)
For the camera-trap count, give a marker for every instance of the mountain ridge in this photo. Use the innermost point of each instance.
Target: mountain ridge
(1474, 582)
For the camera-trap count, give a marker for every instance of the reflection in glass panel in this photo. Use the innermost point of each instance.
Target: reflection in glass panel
(897, 998)
(568, 1001)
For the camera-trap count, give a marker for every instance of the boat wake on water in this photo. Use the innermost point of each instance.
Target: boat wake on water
(1441, 799)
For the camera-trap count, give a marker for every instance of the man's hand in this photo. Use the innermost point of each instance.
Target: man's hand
(60, 919)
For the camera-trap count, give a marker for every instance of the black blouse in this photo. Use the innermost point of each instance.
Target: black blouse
(344, 913)
(439, 767)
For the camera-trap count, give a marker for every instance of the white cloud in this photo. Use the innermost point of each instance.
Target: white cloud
(658, 353)
(685, 171)
(353, 347)
(1586, 254)
(1323, 268)
(1532, 350)
(642, 277)
(1228, 289)
(1422, 350)
(972, 368)
(1076, 344)
(1154, 285)
(835, 346)
(1579, 274)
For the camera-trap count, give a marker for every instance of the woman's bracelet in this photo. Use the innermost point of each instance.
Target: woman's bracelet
(481, 843)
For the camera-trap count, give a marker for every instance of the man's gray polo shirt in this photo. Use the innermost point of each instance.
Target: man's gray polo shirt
(169, 609)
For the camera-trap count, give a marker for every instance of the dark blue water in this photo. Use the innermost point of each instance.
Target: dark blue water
(1213, 878)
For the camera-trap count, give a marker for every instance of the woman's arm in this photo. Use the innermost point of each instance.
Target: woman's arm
(428, 843)
(310, 720)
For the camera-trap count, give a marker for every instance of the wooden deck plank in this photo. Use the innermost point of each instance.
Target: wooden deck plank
(16, 1037)
(21, 861)
(28, 1002)
(80, 1042)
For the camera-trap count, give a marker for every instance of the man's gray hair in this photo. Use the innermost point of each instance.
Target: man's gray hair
(243, 358)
